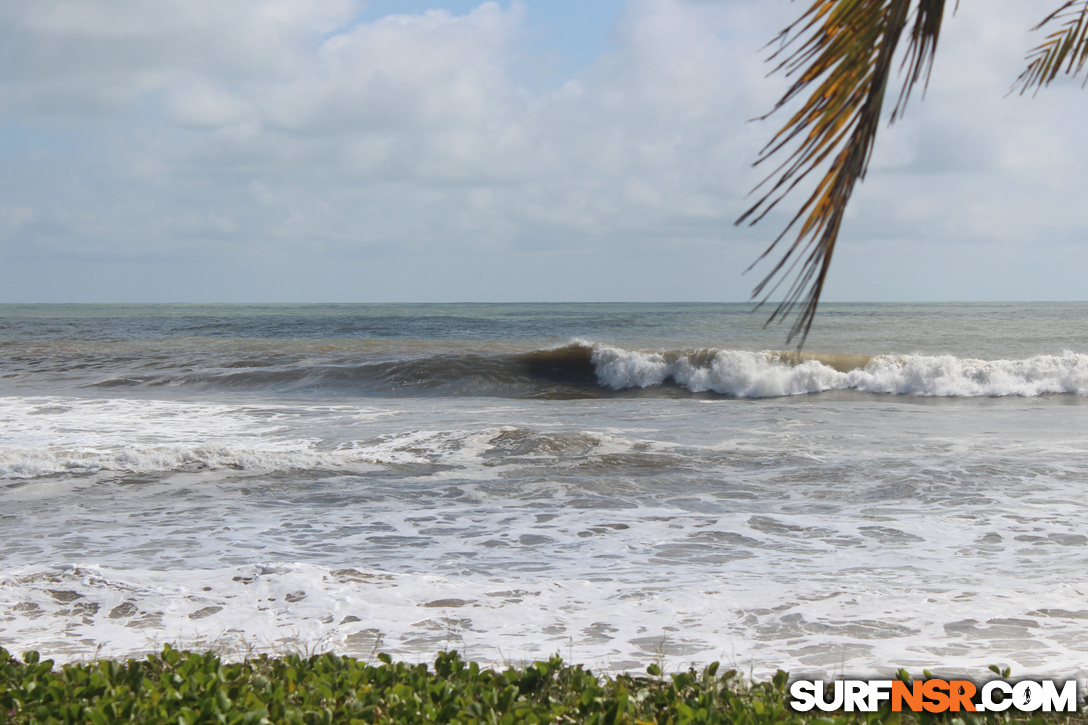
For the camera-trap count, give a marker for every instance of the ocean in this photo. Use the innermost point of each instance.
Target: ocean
(619, 484)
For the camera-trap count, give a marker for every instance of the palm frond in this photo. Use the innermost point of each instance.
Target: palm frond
(844, 51)
(1064, 50)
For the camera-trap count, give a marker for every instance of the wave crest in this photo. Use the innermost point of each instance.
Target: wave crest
(746, 374)
(586, 369)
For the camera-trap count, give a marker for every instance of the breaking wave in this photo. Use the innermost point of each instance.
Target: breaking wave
(584, 369)
(768, 374)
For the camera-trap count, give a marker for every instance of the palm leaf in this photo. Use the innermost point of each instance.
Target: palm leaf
(842, 52)
(1065, 49)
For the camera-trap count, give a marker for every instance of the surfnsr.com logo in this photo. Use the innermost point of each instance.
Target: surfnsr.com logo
(934, 695)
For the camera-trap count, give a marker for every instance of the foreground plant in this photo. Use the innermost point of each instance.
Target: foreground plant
(186, 687)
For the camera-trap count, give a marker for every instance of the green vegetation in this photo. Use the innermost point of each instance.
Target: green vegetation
(185, 687)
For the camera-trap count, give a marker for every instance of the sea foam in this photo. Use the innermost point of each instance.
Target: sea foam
(747, 374)
(76, 611)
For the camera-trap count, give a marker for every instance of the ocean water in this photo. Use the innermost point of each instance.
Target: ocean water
(620, 484)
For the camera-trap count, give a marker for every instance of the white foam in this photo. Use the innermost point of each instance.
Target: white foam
(45, 436)
(760, 374)
(847, 624)
(853, 536)
(51, 435)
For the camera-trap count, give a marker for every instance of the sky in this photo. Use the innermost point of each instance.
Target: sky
(522, 150)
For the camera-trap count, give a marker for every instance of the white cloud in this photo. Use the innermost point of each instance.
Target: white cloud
(73, 55)
(290, 134)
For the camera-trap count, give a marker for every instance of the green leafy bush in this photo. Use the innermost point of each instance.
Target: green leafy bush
(187, 687)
